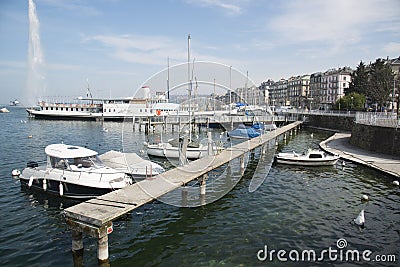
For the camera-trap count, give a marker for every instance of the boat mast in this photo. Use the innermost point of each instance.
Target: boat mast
(168, 80)
(190, 92)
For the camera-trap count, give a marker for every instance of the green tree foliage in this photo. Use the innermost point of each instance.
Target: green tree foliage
(380, 82)
(352, 101)
(359, 80)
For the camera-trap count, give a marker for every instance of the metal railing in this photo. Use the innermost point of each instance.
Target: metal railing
(378, 119)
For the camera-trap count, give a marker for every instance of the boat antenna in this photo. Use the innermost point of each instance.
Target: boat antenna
(88, 92)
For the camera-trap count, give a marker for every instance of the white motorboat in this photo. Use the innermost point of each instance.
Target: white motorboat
(310, 158)
(74, 172)
(131, 164)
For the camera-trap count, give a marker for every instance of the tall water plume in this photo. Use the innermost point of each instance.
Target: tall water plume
(36, 78)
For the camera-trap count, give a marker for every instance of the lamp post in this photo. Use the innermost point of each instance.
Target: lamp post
(351, 106)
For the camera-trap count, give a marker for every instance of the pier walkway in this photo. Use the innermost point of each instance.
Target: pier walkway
(94, 217)
(339, 144)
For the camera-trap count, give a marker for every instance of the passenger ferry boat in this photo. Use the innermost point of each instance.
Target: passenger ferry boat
(103, 109)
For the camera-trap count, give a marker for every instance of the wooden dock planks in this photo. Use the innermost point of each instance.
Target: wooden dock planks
(101, 210)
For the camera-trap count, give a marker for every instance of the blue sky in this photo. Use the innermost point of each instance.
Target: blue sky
(118, 44)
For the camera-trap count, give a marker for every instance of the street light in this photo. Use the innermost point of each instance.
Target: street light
(351, 107)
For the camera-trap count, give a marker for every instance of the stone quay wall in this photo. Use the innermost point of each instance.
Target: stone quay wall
(376, 138)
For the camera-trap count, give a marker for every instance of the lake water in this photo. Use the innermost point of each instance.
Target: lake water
(294, 209)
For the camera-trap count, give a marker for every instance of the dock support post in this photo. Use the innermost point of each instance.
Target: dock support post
(203, 189)
(210, 150)
(77, 248)
(102, 251)
(241, 159)
(263, 147)
(284, 136)
(184, 196)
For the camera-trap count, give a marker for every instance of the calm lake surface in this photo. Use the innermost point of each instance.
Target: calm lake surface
(294, 208)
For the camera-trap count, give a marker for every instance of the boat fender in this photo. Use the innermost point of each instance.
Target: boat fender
(61, 188)
(15, 172)
(396, 183)
(364, 198)
(30, 181)
(44, 184)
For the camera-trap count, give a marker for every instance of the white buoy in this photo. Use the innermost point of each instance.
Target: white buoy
(44, 184)
(61, 188)
(15, 172)
(105, 129)
(360, 220)
(312, 135)
(30, 181)
(343, 163)
(364, 198)
(396, 183)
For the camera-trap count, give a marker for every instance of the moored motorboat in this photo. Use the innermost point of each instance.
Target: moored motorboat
(73, 172)
(170, 149)
(243, 132)
(132, 164)
(310, 158)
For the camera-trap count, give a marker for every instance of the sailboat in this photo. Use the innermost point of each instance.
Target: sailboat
(173, 148)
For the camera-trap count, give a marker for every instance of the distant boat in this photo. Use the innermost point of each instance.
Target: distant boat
(14, 103)
(4, 110)
(309, 158)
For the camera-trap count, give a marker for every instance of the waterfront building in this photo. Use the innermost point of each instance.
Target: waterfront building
(298, 88)
(328, 87)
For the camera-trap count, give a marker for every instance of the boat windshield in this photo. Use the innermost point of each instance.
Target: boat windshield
(87, 162)
(83, 162)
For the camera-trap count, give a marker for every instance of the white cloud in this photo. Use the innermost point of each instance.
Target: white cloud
(231, 7)
(74, 6)
(392, 47)
(149, 50)
(338, 22)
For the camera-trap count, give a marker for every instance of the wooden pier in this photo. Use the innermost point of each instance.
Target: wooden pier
(94, 217)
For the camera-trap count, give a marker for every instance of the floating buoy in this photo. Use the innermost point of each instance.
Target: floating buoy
(105, 129)
(343, 163)
(15, 172)
(312, 135)
(364, 198)
(61, 188)
(396, 183)
(360, 220)
(30, 136)
(30, 181)
(44, 184)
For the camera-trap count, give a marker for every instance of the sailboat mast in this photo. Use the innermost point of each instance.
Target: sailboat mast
(168, 79)
(190, 92)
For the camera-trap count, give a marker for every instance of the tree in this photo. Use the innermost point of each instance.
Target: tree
(359, 80)
(380, 82)
(352, 101)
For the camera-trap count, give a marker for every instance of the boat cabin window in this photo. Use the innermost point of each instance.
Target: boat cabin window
(76, 163)
(87, 162)
(315, 156)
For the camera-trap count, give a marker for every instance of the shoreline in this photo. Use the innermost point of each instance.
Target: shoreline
(339, 144)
